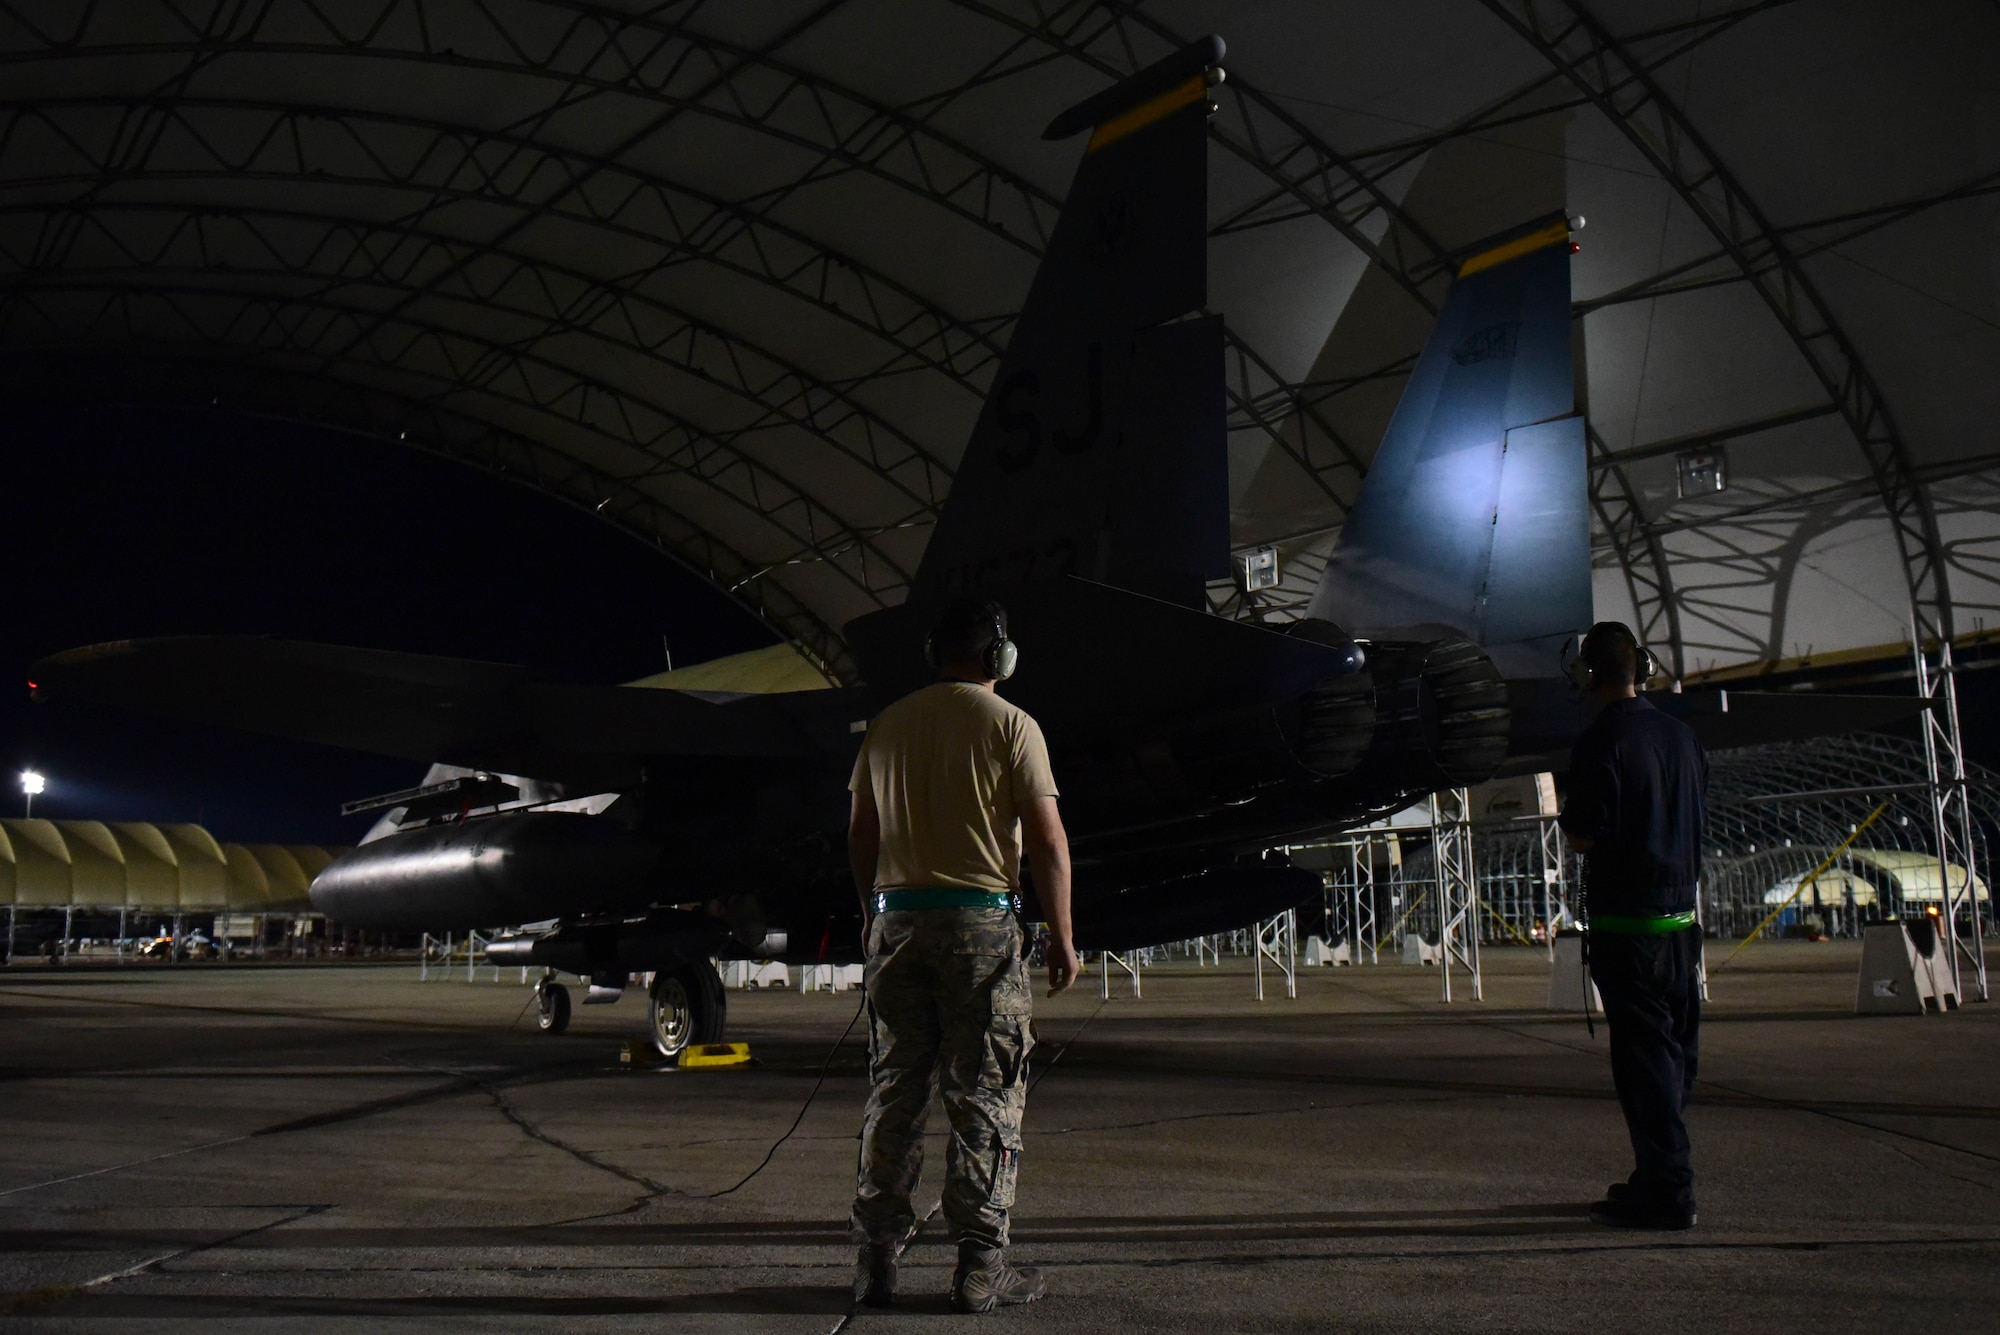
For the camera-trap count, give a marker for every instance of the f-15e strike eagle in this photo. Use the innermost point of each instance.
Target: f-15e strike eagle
(657, 830)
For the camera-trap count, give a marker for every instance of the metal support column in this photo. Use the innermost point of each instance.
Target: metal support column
(1457, 887)
(1951, 816)
(1129, 962)
(1351, 900)
(69, 918)
(1361, 900)
(1278, 942)
(1555, 899)
(1701, 953)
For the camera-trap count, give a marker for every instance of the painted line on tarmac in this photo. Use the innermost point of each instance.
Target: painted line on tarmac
(365, 1109)
(135, 1163)
(15, 1303)
(243, 1073)
(254, 1012)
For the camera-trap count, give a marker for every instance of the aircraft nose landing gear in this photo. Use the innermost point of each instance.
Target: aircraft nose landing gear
(688, 1006)
(551, 1005)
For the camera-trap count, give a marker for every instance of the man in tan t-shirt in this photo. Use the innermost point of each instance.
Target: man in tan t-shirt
(950, 783)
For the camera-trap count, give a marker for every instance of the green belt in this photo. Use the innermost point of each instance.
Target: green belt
(888, 901)
(1614, 924)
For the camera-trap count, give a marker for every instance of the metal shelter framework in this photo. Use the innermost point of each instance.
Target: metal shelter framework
(1819, 838)
(1893, 827)
(735, 277)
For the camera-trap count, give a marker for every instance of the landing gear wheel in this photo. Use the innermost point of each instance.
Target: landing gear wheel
(688, 1006)
(551, 1007)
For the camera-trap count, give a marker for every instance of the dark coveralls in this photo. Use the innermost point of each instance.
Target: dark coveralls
(1637, 791)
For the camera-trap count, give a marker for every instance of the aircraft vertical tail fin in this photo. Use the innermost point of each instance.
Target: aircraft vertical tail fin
(1474, 514)
(1101, 450)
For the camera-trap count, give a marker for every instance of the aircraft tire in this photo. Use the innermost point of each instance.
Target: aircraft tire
(552, 1008)
(688, 1006)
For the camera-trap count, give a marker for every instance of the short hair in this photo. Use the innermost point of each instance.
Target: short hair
(965, 628)
(1612, 652)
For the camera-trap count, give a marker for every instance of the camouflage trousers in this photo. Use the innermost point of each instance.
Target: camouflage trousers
(948, 1004)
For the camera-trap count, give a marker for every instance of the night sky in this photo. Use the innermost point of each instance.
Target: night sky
(123, 524)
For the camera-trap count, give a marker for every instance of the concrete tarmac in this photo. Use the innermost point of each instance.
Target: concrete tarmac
(343, 1148)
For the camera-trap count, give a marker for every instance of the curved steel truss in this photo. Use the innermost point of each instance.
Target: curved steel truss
(689, 267)
(1615, 81)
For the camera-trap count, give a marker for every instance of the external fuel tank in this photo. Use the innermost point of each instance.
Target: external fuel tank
(489, 872)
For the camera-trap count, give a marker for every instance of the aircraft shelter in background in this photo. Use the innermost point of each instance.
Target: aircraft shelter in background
(101, 889)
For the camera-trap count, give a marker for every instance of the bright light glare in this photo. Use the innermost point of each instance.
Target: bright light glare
(32, 783)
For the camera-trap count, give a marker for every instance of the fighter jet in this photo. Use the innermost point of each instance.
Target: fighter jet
(654, 831)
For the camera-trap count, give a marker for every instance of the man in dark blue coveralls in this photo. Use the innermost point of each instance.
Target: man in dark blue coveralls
(1637, 790)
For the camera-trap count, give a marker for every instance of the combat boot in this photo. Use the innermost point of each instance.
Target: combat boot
(984, 1281)
(875, 1274)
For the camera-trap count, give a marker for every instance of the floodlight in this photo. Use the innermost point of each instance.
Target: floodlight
(32, 783)
(1258, 569)
(1703, 472)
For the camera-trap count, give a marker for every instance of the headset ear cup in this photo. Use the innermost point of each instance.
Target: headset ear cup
(1002, 657)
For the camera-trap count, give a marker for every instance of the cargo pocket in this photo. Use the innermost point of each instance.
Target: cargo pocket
(1006, 1171)
(1008, 993)
(1006, 1057)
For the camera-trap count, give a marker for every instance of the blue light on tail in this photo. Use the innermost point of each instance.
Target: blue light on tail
(1475, 513)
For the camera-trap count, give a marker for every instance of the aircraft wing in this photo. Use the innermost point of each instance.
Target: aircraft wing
(491, 716)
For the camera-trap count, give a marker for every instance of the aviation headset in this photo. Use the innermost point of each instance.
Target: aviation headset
(999, 658)
(1583, 673)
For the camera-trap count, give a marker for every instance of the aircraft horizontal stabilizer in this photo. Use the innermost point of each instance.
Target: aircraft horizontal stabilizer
(1204, 903)
(1723, 720)
(488, 716)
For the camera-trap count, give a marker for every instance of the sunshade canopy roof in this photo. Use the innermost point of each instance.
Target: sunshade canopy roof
(157, 868)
